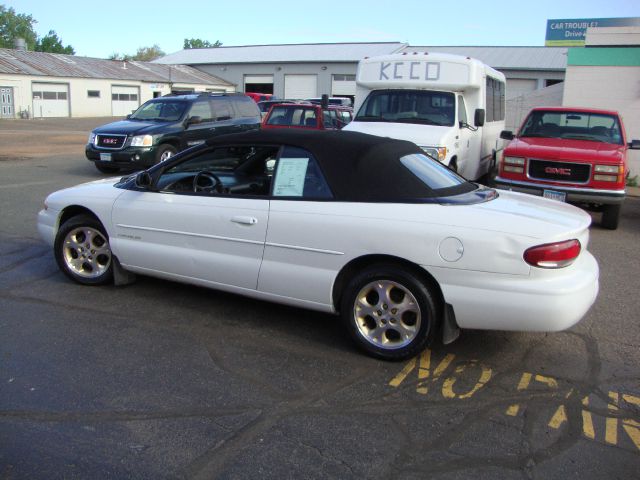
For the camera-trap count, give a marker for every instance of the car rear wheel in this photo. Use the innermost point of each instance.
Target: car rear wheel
(165, 152)
(389, 312)
(611, 216)
(106, 169)
(82, 251)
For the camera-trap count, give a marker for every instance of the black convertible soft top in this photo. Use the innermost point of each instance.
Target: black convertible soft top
(358, 167)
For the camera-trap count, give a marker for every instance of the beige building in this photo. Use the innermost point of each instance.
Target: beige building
(36, 84)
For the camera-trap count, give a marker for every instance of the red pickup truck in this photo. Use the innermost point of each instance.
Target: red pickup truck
(575, 155)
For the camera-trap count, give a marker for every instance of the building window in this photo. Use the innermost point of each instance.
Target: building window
(548, 83)
(93, 93)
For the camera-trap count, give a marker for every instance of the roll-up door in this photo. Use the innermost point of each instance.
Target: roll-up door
(50, 99)
(258, 83)
(343, 85)
(124, 100)
(300, 86)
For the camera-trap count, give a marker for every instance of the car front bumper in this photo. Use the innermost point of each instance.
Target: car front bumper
(573, 194)
(127, 158)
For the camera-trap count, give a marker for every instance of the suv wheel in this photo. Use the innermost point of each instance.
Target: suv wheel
(165, 152)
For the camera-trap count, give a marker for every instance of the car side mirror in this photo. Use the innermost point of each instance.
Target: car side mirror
(507, 135)
(478, 118)
(193, 120)
(634, 145)
(128, 116)
(143, 180)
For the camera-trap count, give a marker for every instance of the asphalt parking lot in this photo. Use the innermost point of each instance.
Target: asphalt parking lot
(162, 380)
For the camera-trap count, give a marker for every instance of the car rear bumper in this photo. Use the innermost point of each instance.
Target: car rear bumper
(574, 194)
(544, 301)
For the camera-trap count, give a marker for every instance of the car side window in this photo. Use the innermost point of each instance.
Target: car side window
(203, 110)
(222, 109)
(298, 175)
(229, 170)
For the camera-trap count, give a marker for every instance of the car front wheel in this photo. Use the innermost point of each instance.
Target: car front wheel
(390, 312)
(82, 251)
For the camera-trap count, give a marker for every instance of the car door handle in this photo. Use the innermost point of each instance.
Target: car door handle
(245, 220)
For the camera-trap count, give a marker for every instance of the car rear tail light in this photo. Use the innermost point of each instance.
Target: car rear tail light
(553, 255)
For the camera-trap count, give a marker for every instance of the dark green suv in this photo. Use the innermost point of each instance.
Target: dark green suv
(164, 126)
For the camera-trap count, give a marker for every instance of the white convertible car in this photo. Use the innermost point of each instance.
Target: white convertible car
(342, 222)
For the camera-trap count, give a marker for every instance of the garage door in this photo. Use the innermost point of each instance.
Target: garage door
(258, 83)
(50, 99)
(343, 85)
(300, 86)
(520, 86)
(124, 100)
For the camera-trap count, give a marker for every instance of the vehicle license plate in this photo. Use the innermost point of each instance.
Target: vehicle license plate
(105, 157)
(553, 195)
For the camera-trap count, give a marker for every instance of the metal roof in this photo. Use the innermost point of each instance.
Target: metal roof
(507, 58)
(23, 62)
(308, 52)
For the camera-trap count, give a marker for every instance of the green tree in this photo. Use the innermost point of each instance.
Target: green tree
(199, 43)
(16, 25)
(52, 44)
(144, 54)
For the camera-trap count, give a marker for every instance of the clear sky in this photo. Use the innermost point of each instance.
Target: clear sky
(98, 29)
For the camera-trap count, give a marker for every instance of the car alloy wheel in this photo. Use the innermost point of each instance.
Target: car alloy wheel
(391, 311)
(387, 314)
(83, 252)
(86, 252)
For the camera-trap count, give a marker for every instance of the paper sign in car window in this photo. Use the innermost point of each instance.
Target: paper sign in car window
(290, 177)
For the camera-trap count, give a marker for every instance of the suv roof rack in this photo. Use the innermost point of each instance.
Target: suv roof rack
(179, 93)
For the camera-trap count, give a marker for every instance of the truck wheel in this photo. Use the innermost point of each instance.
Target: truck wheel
(611, 216)
(389, 312)
(164, 152)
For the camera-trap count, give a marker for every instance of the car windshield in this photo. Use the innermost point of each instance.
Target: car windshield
(423, 107)
(160, 110)
(594, 127)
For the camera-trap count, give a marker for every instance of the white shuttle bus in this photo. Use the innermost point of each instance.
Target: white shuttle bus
(451, 106)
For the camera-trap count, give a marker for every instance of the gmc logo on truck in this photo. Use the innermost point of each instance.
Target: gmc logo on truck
(110, 141)
(409, 70)
(557, 171)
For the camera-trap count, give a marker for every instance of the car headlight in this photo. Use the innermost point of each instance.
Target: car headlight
(437, 153)
(142, 141)
(92, 138)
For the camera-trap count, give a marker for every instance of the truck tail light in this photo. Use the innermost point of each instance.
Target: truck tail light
(553, 255)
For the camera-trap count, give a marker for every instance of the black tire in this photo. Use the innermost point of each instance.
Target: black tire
(387, 321)
(453, 164)
(82, 251)
(164, 152)
(611, 216)
(106, 169)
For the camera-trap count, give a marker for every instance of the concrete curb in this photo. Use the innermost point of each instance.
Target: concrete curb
(633, 191)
